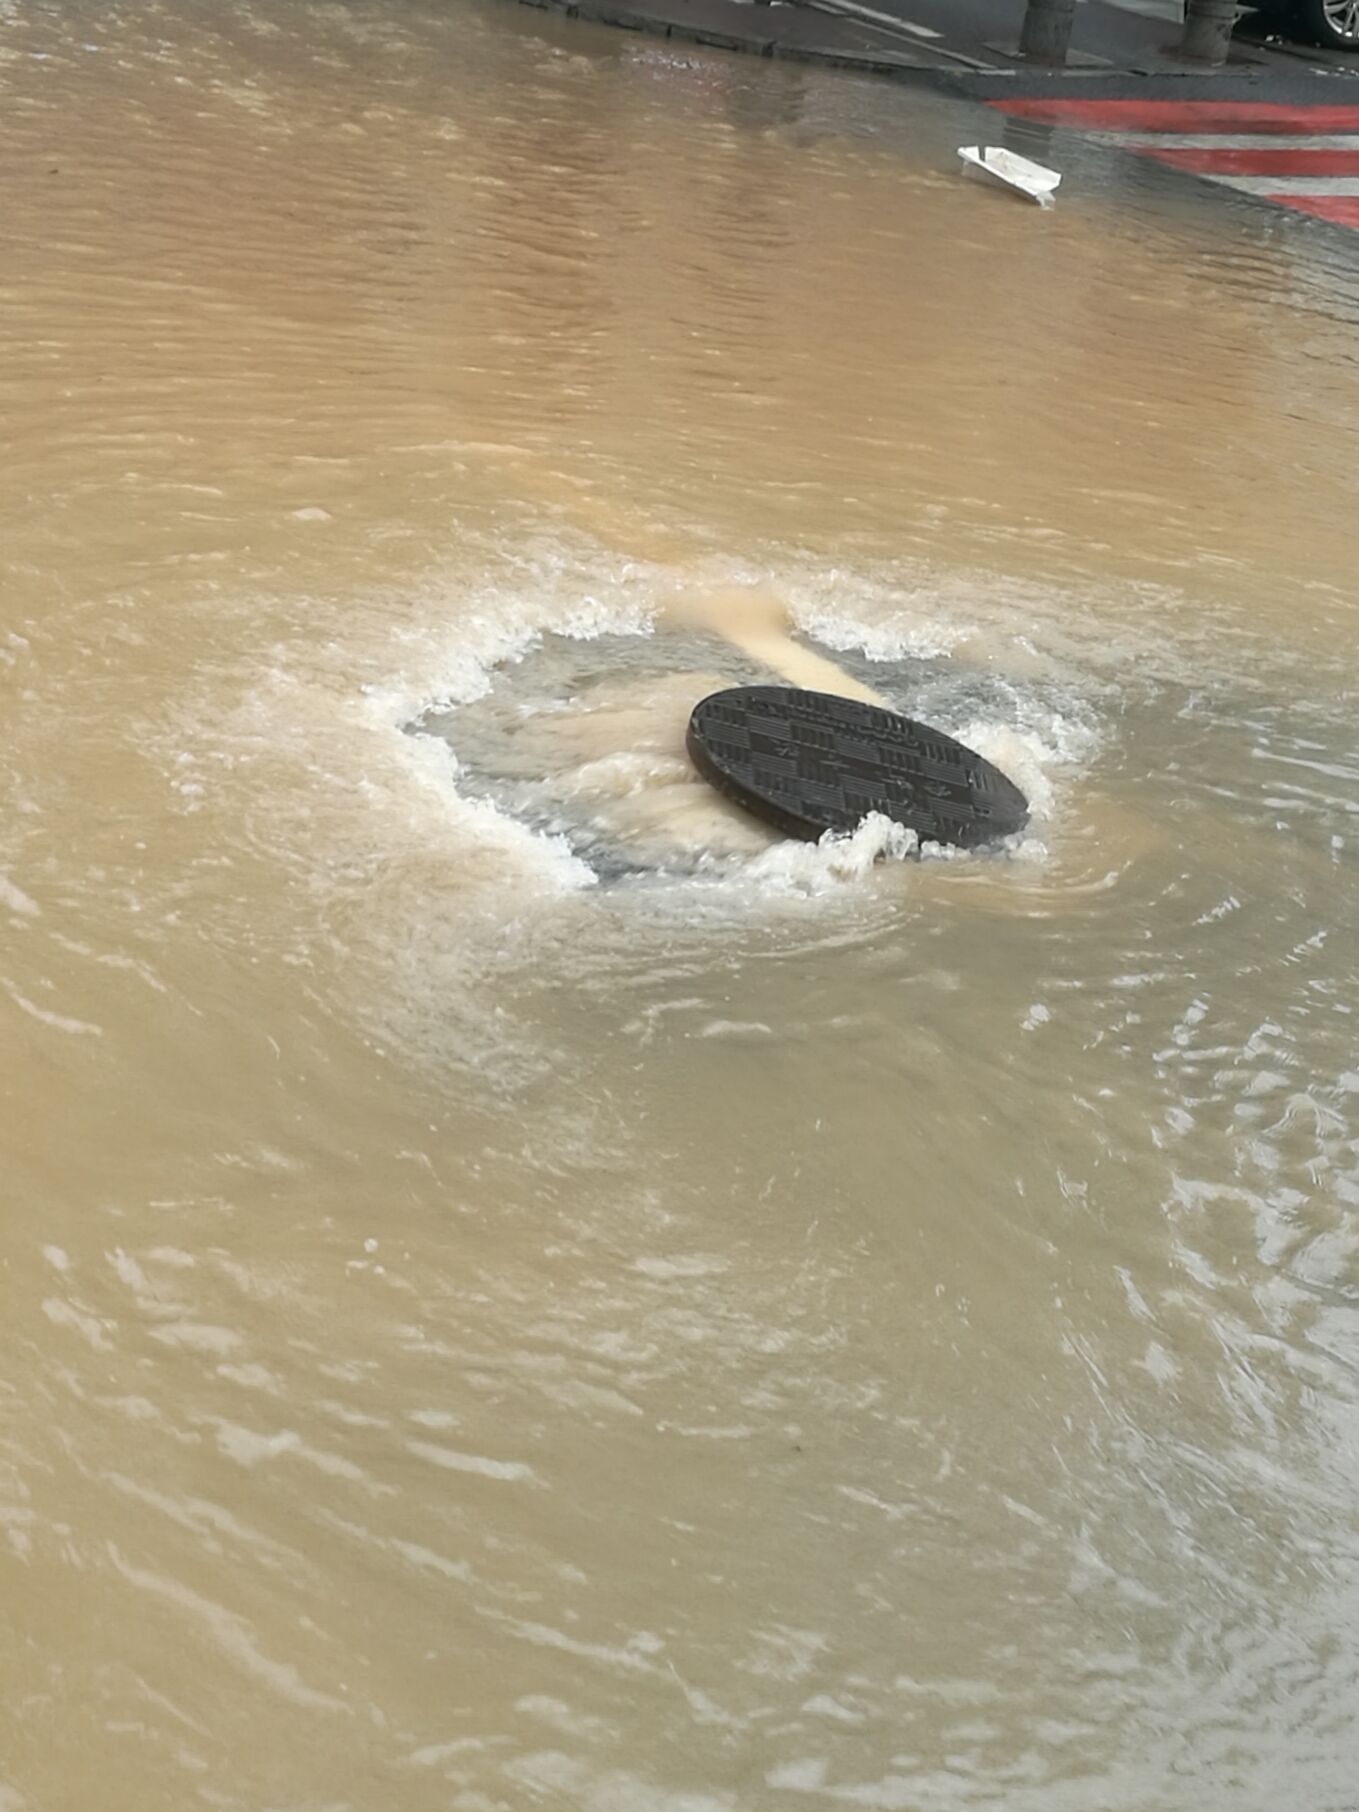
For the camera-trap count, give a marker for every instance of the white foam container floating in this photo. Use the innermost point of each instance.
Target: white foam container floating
(1013, 171)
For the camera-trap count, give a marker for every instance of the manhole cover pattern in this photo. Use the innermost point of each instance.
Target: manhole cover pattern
(809, 762)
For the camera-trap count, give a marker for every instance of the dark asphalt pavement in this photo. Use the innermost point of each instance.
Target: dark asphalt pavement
(1118, 50)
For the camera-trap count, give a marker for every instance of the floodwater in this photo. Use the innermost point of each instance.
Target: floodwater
(520, 1290)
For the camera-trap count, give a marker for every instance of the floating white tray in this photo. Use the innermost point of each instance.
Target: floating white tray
(1015, 172)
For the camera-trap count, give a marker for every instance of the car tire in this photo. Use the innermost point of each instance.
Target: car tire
(1333, 23)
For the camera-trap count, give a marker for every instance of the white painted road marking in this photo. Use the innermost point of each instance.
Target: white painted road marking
(1233, 141)
(1283, 188)
(1305, 158)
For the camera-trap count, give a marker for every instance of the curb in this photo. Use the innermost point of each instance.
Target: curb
(809, 34)
(671, 19)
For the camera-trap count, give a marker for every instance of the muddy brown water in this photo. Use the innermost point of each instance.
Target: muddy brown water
(520, 1290)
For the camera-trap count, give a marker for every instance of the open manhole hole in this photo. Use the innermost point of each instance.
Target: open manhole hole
(584, 739)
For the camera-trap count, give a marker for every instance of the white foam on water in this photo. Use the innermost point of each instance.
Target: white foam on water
(55, 1022)
(598, 752)
(835, 860)
(880, 641)
(457, 660)
(434, 889)
(1023, 756)
(546, 860)
(14, 899)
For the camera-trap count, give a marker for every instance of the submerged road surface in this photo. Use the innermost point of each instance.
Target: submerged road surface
(521, 1289)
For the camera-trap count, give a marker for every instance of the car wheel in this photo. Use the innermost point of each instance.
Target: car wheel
(1334, 23)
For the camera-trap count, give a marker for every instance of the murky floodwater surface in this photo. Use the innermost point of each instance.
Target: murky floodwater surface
(521, 1289)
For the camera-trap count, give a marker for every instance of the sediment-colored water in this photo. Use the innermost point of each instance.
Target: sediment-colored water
(520, 1289)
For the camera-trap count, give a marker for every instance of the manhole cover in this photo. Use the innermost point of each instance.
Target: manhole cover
(809, 762)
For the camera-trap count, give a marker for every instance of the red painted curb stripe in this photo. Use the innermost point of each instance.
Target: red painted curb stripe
(1204, 161)
(1229, 160)
(1341, 210)
(1185, 116)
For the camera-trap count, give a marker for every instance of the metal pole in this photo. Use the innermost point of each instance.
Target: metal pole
(1208, 30)
(1047, 31)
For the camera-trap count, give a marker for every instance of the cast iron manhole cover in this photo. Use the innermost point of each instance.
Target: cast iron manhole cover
(809, 762)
